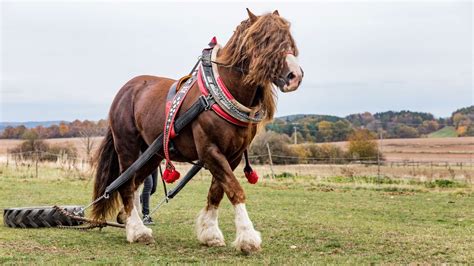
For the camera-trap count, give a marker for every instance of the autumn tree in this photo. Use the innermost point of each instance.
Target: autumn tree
(88, 141)
(362, 145)
(325, 130)
(279, 145)
(63, 129)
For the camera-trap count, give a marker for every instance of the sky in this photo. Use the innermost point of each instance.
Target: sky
(67, 60)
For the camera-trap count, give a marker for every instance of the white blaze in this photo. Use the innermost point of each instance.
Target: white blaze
(293, 67)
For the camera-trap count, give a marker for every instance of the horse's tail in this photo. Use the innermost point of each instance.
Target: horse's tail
(108, 170)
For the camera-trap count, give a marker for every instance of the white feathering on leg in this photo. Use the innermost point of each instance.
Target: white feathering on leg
(207, 228)
(248, 239)
(136, 231)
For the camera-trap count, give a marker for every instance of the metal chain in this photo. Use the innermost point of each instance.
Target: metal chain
(92, 203)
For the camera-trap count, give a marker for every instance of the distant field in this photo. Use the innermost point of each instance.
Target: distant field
(420, 149)
(445, 132)
(426, 149)
(6, 144)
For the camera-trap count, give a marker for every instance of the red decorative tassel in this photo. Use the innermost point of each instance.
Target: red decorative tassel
(251, 175)
(213, 42)
(170, 175)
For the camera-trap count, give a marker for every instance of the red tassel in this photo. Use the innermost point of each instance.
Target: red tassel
(213, 42)
(171, 175)
(251, 175)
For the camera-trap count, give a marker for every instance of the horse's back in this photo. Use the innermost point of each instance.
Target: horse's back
(140, 101)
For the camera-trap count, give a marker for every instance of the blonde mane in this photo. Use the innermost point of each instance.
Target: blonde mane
(260, 48)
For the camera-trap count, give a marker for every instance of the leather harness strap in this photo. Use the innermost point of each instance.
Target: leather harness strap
(172, 108)
(216, 97)
(226, 105)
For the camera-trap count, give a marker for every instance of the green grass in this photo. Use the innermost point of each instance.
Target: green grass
(445, 132)
(302, 220)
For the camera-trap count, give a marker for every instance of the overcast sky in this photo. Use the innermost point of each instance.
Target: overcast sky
(62, 61)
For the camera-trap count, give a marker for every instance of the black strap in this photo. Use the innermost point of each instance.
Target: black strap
(163, 181)
(189, 175)
(182, 121)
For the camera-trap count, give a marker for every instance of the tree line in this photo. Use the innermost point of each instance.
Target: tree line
(390, 124)
(300, 128)
(72, 129)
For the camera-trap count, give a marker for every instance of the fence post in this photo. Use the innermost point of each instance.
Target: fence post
(270, 158)
(36, 164)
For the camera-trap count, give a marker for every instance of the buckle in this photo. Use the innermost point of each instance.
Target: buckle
(206, 102)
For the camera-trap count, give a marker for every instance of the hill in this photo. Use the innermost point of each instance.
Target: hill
(302, 127)
(29, 124)
(392, 124)
(445, 132)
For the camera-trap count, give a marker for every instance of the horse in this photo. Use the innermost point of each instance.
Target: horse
(260, 56)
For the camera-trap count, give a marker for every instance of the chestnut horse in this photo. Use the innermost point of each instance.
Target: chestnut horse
(259, 54)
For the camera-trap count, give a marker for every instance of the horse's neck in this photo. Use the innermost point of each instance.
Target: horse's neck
(233, 79)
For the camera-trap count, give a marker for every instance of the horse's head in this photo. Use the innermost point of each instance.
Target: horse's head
(264, 46)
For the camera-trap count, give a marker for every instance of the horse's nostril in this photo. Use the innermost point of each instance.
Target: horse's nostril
(290, 76)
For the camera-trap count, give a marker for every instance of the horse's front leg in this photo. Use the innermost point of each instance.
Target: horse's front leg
(207, 227)
(247, 238)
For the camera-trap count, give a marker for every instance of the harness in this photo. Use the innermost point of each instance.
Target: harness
(173, 125)
(226, 106)
(217, 98)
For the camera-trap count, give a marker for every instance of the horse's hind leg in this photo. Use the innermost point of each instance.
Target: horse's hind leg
(207, 227)
(128, 151)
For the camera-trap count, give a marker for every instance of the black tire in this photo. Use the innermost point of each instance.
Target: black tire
(35, 217)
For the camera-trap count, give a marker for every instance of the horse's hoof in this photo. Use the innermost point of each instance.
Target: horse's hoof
(248, 241)
(215, 243)
(249, 248)
(211, 237)
(145, 239)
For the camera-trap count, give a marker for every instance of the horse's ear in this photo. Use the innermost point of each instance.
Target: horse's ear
(276, 13)
(252, 17)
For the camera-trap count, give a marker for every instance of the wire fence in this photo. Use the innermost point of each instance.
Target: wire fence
(31, 161)
(31, 164)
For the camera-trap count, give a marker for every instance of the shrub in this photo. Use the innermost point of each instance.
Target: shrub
(362, 145)
(325, 153)
(31, 148)
(279, 146)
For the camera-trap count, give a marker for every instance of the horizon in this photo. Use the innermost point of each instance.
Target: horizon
(276, 117)
(357, 56)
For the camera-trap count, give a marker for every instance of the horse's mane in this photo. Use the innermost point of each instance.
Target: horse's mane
(260, 49)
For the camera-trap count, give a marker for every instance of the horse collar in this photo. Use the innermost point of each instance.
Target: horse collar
(226, 106)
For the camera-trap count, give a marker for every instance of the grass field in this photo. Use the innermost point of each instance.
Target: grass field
(445, 132)
(302, 220)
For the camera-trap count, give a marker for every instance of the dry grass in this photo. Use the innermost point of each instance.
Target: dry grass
(420, 149)
(426, 149)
